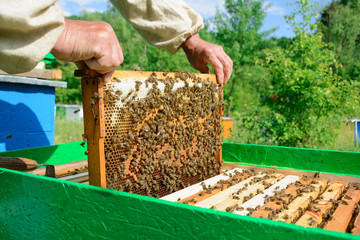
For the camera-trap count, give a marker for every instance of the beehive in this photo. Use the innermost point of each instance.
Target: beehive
(32, 204)
(152, 133)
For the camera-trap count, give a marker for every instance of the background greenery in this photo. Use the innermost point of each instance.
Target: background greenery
(289, 92)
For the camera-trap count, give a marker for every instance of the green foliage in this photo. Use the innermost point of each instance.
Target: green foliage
(340, 24)
(71, 94)
(237, 29)
(306, 97)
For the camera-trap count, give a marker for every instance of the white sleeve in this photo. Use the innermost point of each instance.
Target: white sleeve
(163, 23)
(28, 31)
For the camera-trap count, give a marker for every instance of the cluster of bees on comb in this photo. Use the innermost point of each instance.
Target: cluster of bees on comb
(305, 201)
(163, 134)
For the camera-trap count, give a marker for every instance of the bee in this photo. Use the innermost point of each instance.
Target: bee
(347, 197)
(312, 223)
(76, 111)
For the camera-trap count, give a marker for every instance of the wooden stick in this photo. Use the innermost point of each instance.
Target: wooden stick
(343, 213)
(301, 202)
(291, 192)
(314, 217)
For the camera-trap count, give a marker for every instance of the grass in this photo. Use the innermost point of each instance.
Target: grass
(345, 139)
(67, 130)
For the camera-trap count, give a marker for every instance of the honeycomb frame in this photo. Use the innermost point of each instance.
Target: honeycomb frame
(108, 122)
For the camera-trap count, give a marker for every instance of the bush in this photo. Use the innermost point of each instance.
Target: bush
(305, 98)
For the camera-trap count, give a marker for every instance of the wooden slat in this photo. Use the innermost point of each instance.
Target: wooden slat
(17, 163)
(356, 229)
(204, 194)
(313, 217)
(286, 171)
(292, 191)
(259, 200)
(61, 169)
(39, 73)
(94, 129)
(211, 201)
(288, 215)
(252, 189)
(81, 177)
(343, 213)
(189, 191)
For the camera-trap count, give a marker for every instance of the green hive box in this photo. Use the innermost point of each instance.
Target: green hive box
(35, 207)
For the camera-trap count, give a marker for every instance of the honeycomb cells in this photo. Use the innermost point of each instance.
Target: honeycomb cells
(162, 133)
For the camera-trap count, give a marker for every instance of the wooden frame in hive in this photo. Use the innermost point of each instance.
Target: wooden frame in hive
(152, 133)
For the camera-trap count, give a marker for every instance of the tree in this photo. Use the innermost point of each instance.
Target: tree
(238, 30)
(340, 24)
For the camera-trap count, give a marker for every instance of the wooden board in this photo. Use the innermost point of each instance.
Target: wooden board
(39, 73)
(314, 217)
(343, 213)
(301, 202)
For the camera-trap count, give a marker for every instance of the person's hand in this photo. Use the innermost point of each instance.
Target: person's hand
(92, 45)
(200, 53)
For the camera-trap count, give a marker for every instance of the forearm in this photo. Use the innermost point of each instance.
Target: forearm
(29, 30)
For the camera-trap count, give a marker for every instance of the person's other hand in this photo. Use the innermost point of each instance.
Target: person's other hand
(92, 45)
(200, 53)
